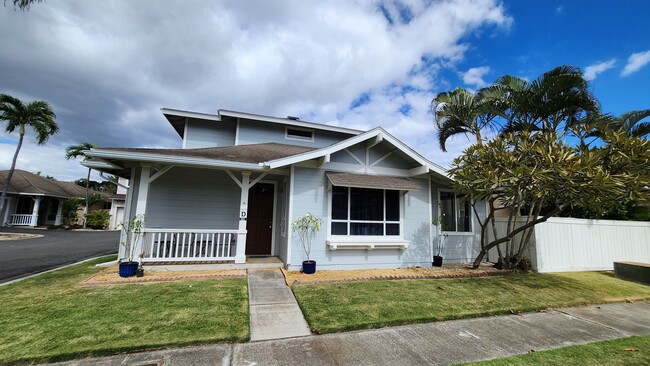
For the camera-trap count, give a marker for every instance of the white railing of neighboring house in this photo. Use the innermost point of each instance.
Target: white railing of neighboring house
(180, 245)
(18, 220)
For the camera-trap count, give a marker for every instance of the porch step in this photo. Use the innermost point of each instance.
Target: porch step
(274, 311)
(251, 263)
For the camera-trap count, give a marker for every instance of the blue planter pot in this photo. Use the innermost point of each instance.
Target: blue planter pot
(309, 267)
(128, 269)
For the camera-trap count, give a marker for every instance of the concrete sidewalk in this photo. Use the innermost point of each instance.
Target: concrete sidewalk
(420, 344)
(274, 312)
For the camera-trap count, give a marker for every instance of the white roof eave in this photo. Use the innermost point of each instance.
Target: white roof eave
(432, 167)
(288, 121)
(172, 160)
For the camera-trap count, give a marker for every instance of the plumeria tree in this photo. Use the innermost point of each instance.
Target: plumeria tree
(527, 172)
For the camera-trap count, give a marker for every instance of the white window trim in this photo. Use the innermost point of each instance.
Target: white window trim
(455, 233)
(368, 242)
(299, 138)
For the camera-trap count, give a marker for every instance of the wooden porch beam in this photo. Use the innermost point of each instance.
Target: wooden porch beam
(160, 172)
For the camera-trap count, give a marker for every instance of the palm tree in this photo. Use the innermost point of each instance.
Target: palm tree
(557, 100)
(24, 4)
(461, 111)
(38, 115)
(73, 152)
(631, 124)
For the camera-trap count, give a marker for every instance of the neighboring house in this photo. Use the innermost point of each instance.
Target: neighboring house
(117, 204)
(33, 200)
(240, 179)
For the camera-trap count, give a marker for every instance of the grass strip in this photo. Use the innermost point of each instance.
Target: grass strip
(52, 318)
(626, 351)
(372, 304)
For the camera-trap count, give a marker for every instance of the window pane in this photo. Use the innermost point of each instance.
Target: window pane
(392, 205)
(339, 228)
(447, 211)
(392, 229)
(340, 203)
(366, 229)
(464, 214)
(366, 204)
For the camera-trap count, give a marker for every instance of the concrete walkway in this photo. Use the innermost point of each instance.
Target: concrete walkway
(421, 344)
(274, 312)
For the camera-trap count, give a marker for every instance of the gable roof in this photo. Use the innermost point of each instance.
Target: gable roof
(251, 157)
(24, 182)
(177, 118)
(377, 133)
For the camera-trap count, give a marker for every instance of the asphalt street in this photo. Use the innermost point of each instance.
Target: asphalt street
(20, 258)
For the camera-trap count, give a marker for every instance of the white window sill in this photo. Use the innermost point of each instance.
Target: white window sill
(457, 233)
(368, 243)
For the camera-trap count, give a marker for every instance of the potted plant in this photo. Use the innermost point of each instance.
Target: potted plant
(132, 234)
(307, 227)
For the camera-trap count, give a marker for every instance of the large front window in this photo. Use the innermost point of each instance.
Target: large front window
(455, 212)
(364, 211)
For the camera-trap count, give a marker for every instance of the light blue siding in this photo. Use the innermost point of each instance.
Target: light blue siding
(458, 247)
(199, 134)
(186, 198)
(255, 132)
(343, 157)
(311, 195)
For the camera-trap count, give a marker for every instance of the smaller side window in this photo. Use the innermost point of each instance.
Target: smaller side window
(455, 212)
(297, 133)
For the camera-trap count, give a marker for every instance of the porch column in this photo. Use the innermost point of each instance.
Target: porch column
(59, 213)
(240, 254)
(141, 203)
(37, 205)
(7, 205)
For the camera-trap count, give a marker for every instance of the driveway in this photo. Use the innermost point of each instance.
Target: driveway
(19, 258)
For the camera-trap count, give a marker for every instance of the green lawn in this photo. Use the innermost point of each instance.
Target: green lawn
(50, 317)
(373, 304)
(627, 351)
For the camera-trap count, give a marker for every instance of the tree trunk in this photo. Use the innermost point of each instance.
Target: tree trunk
(87, 207)
(10, 174)
(479, 258)
(512, 233)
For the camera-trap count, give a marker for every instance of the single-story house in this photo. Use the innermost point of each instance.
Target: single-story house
(238, 181)
(33, 200)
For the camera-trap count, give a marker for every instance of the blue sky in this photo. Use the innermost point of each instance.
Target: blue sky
(545, 34)
(108, 67)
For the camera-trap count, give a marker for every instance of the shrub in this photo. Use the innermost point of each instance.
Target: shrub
(98, 219)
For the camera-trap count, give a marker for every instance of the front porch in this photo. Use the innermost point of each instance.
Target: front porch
(33, 211)
(184, 250)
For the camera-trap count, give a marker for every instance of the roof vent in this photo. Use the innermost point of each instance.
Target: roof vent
(293, 118)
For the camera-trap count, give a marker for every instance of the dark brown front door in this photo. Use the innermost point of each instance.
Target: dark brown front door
(260, 219)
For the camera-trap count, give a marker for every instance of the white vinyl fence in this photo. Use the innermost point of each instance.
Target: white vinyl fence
(567, 244)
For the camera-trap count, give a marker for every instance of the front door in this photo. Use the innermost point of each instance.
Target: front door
(260, 219)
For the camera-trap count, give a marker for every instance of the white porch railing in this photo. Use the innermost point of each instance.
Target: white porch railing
(180, 245)
(18, 220)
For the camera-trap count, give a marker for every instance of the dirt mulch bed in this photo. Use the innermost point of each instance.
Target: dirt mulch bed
(18, 236)
(110, 276)
(447, 271)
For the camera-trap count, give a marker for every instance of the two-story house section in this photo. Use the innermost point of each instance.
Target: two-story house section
(230, 194)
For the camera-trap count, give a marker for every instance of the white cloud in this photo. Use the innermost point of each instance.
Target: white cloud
(592, 71)
(474, 76)
(107, 67)
(635, 62)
